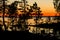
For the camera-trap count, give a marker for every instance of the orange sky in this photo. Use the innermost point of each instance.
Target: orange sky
(46, 6)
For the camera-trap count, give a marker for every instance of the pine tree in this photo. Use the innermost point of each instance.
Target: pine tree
(12, 11)
(4, 13)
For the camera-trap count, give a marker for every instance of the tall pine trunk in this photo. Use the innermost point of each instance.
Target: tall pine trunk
(3, 14)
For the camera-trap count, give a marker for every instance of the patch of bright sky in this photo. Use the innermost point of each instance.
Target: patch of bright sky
(45, 5)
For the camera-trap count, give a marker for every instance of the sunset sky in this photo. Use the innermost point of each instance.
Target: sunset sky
(46, 6)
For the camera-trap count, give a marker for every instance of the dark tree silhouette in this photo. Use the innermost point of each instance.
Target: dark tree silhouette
(4, 13)
(12, 11)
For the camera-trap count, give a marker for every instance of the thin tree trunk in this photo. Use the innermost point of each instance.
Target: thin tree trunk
(4, 13)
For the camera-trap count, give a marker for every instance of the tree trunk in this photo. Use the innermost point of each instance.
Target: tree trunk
(3, 14)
